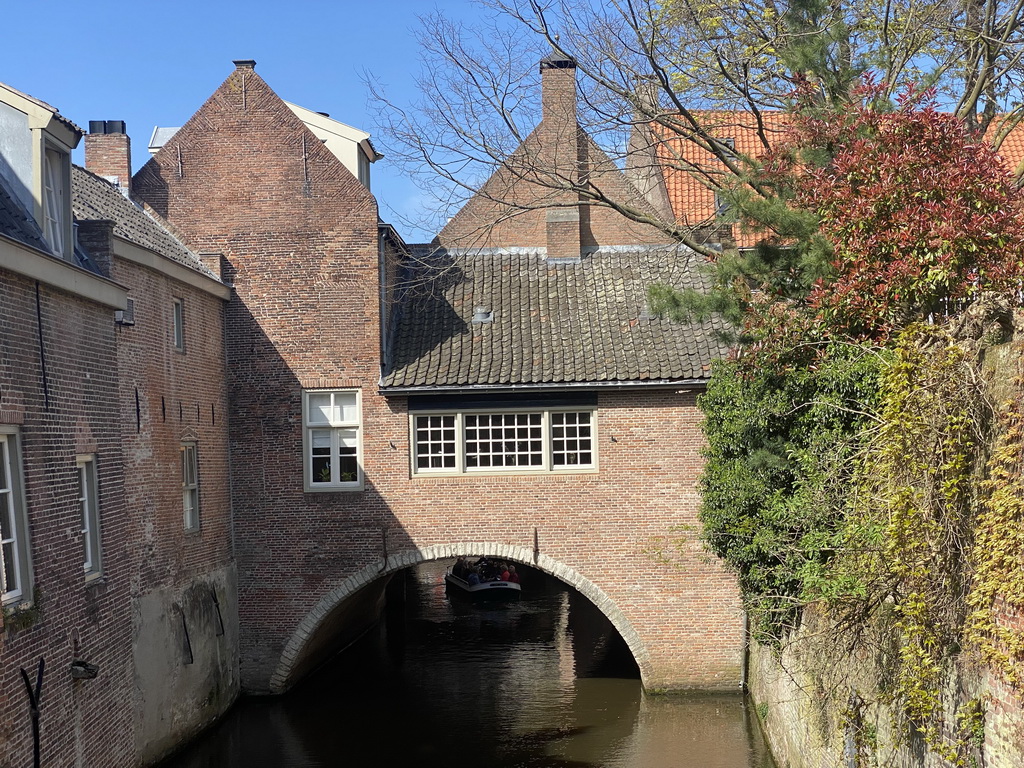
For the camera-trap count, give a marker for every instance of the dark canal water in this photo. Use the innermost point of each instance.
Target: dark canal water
(543, 683)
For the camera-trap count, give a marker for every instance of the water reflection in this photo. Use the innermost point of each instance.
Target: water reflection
(543, 683)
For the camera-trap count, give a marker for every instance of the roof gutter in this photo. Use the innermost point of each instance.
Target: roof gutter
(683, 384)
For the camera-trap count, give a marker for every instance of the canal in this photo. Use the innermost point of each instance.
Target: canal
(542, 683)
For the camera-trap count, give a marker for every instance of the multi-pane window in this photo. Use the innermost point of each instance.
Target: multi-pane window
(88, 501)
(14, 560)
(503, 440)
(572, 443)
(190, 486)
(435, 441)
(55, 215)
(332, 422)
(543, 440)
(178, 324)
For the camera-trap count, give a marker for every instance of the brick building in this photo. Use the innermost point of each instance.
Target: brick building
(362, 377)
(115, 571)
(283, 404)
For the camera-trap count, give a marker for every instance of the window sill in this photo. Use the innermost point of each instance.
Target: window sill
(336, 489)
(95, 579)
(525, 474)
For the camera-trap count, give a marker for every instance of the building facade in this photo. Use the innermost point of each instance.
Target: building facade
(234, 403)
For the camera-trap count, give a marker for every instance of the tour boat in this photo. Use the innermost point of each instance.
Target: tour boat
(485, 590)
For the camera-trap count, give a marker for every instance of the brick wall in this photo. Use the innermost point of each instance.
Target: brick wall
(71, 410)
(298, 233)
(183, 580)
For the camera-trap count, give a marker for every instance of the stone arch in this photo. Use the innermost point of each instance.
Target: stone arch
(293, 649)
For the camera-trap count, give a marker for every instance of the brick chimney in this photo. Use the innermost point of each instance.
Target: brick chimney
(108, 152)
(560, 150)
(643, 166)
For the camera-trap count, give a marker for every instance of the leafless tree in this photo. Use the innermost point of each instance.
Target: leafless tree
(677, 72)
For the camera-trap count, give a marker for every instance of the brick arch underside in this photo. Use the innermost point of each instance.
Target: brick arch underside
(294, 648)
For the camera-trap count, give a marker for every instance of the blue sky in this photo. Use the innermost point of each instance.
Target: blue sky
(153, 63)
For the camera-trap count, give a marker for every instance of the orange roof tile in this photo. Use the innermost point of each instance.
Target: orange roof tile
(689, 169)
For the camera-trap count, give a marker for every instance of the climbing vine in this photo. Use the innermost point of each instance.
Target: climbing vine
(998, 555)
(910, 527)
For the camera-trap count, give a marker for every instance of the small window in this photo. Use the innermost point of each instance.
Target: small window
(364, 169)
(56, 208)
(178, 324)
(539, 441)
(332, 440)
(190, 485)
(14, 551)
(722, 205)
(88, 500)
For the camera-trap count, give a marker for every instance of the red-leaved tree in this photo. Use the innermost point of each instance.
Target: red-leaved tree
(919, 213)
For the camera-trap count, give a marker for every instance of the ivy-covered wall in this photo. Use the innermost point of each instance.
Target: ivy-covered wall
(914, 656)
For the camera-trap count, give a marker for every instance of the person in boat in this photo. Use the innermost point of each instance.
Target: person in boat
(503, 572)
(473, 577)
(460, 568)
(512, 575)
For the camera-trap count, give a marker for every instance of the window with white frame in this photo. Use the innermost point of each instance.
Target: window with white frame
(178, 324)
(14, 552)
(332, 421)
(88, 500)
(190, 485)
(56, 209)
(544, 440)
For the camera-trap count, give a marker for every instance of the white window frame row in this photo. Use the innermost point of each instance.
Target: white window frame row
(504, 441)
(89, 503)
(190, 484)
(15, 556)
(332, 440)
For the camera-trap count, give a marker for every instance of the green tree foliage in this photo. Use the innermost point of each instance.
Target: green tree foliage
(783, 427)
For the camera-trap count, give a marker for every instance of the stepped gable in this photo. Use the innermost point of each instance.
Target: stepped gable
(96, 198)
(579, 322)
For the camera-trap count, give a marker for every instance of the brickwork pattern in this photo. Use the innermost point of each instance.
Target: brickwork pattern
(71, 410)
(299, 235)
(110, 155)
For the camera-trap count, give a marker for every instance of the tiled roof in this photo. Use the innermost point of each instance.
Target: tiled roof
(575, 322)
(96, 198)
(16, 223)
(48, 107)
(693, 202)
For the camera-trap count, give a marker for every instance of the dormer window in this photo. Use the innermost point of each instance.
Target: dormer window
(364, 168)
(56, 203)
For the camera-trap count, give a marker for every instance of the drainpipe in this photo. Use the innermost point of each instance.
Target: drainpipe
(745, 659)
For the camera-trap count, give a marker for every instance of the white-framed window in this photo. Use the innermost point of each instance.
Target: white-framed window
(332, 420)
(364, 168)
(15, 568)
(190, 485)
(537, 440)
(178, 324)
(56, 205)
(89, 503)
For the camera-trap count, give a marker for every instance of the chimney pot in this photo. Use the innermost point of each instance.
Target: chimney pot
(244, 63)
(108, 152)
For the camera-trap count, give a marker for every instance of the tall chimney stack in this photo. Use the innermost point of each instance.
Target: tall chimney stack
(108, 152)
(560, 155)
